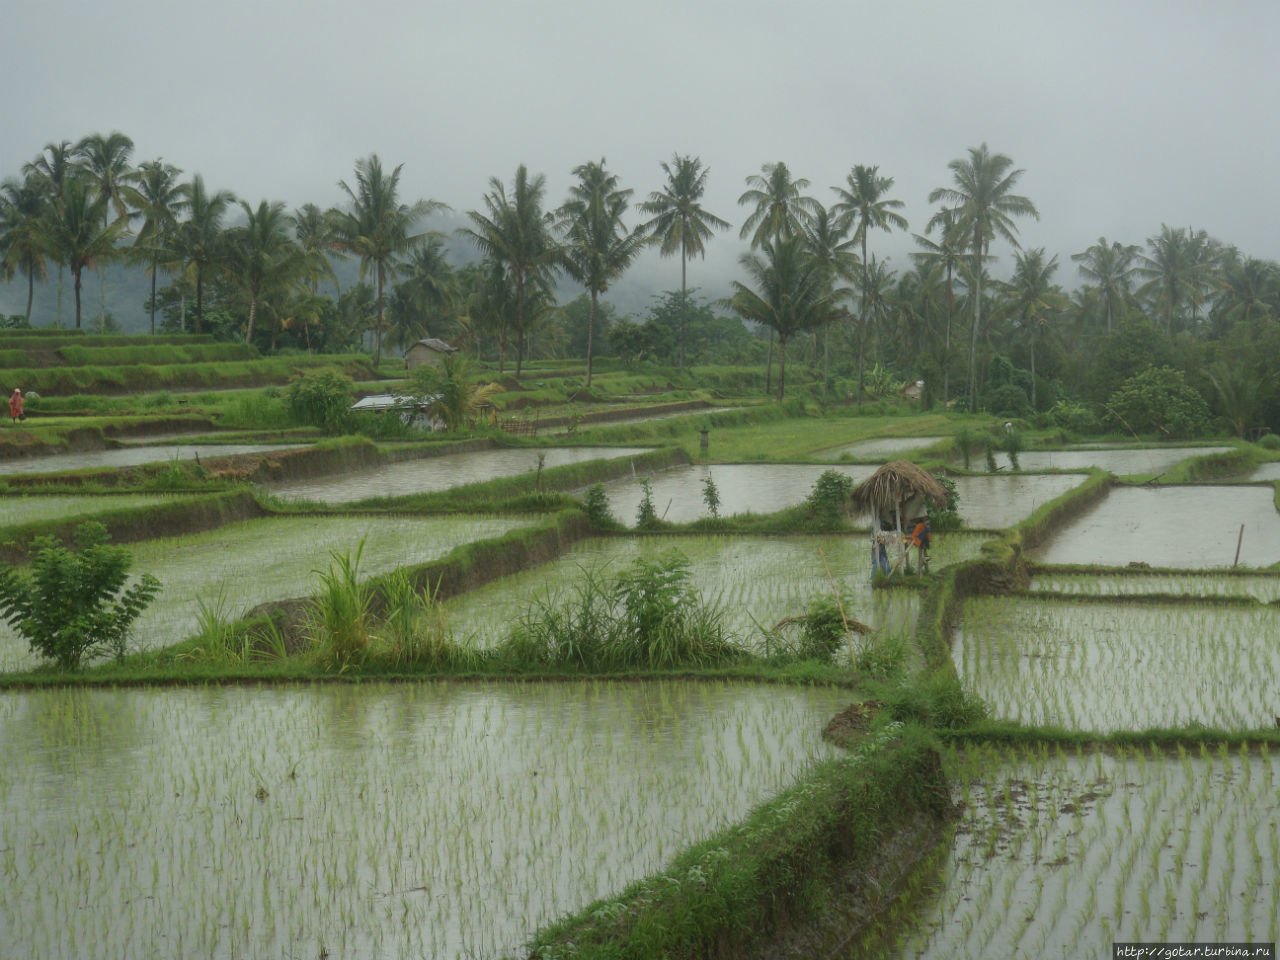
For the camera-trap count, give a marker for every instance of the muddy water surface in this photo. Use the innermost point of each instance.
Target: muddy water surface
(1119, 462)
(1183, 526)
(994, 502)
(881, 448)
(133, 456)
(429, 474)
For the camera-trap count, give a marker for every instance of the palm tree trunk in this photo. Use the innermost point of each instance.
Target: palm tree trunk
(946, 361)
(199, 299)
(75, 272)
(782, 366)
(591, 335)
(977, 321)
(1033, 370)
(154, 266)
(253, 313)
(377, 331)
(520, 328)
(102, 297)
(58, 319)
(684, 307)
(31, 291)
(826, 362)
(768, 367)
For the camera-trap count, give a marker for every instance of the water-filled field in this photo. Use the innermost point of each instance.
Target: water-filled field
(372, 822)
(1113, 460)
(743, 488)
(18, 508)
(1103, 666)
(995, 502)
(133, 456)
(758, 580)
(1262, 586)
(1061, 853)
(429, 474)
(246, 563)
(881, 448)
(1267, 471)
(1182, 526)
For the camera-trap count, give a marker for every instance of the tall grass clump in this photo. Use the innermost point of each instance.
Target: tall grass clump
(340, 611)
(415, 631)
(648, 616)
(596, 506)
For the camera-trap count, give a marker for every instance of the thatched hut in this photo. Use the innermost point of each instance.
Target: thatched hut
(897, 493)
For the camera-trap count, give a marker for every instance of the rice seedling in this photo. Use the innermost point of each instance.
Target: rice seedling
(396, 821)
(1263, 587)
(1103, 666)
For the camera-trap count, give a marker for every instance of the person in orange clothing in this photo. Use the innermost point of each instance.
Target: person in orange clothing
(15, 406)
(919, 538)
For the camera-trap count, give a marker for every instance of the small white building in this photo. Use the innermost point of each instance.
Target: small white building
(415, 411)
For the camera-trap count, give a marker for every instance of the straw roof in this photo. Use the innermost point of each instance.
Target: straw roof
(894, 483)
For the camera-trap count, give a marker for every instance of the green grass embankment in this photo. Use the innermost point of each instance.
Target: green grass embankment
(785, 868)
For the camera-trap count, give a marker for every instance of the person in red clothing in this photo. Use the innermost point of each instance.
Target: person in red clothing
(15, 406)
(919, 538)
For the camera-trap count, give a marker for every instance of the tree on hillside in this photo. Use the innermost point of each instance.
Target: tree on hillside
(1033, 299)
(105, 160)
(866, 206)
(515, 236)
(789, 292)
(985, 207)
(314, 230)
(262, 257)
(782, 209)
(829, 242)
(159, 198)
(1110, 267)
(378, 228)
(596, 246)
(945, 254)
(52, 171)
(198, 241)
(80, 235)
(1179, 271)
(24, 243)
(429, 290)
(679, 223)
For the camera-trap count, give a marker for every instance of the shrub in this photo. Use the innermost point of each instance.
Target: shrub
(1160, 400)
(1269, 441)
(1012, 445)
(824, 628)
(881, 657)
(1074, 416)
(321, 399)
(75, 600)
(942, 519)
(711, 496)
(646, 515)
(596, 506)
(827, 501)
(966, 442)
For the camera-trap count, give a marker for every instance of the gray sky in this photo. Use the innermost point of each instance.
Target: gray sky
(1124, 114)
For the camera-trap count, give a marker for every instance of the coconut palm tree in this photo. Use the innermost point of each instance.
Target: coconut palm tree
(596, 246)
(515, 234)
(313, 228)
(53, 170)
(1033, 299)
(1110, 267)
(262, 256)
(945, 254)
(80, 233)
(24, 244)
(105, 160)
(429, 289)
(1179, 271)
(985, 207)
(829, 242)
(781, 208)
(680, 224)
(1248, 290)
(198, 240)
(378, 228)
(790, 292)
(865, 205)
(159, 198)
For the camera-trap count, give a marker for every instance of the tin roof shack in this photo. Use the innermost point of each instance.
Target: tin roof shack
(414, 411)
(430, 351)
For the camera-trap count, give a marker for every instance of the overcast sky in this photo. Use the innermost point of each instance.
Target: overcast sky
(1125, 114)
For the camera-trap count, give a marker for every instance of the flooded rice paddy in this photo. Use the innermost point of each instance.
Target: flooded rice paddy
(374, 821)
(1262, 587)
(1267, 471)
(1105, 666)
(16, 508)
(996, 502)
(429, 474)
(1182, 526)
(243, 564)
(743, 488)
(1121, 462)
(133, 456)
(1060, 853)
(758, 581)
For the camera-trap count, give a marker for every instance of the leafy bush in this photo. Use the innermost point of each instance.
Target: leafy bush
(824, 628)
(1159, 400)
(1012, 445)
(596, 506)
(646, 515)
(1008, 400)
(881, 657)
(966, 442)
(942, 519)
(828, 499)
(1269, 441)
(321, 398)
(1075, 416)
(711, 496)
(75, 600)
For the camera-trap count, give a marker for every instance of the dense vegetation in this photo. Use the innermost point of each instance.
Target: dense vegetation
(1162, 337)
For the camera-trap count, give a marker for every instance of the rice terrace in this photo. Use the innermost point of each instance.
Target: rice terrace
(436, 618)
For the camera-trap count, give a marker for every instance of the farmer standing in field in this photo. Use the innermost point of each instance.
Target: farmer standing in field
(15, 406)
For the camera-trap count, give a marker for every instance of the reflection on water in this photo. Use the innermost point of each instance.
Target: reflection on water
(429, 474)
(1119, 462)
(372, 821)
(1182, 526)
(134, 456)
(995, 502)
(743, 488)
